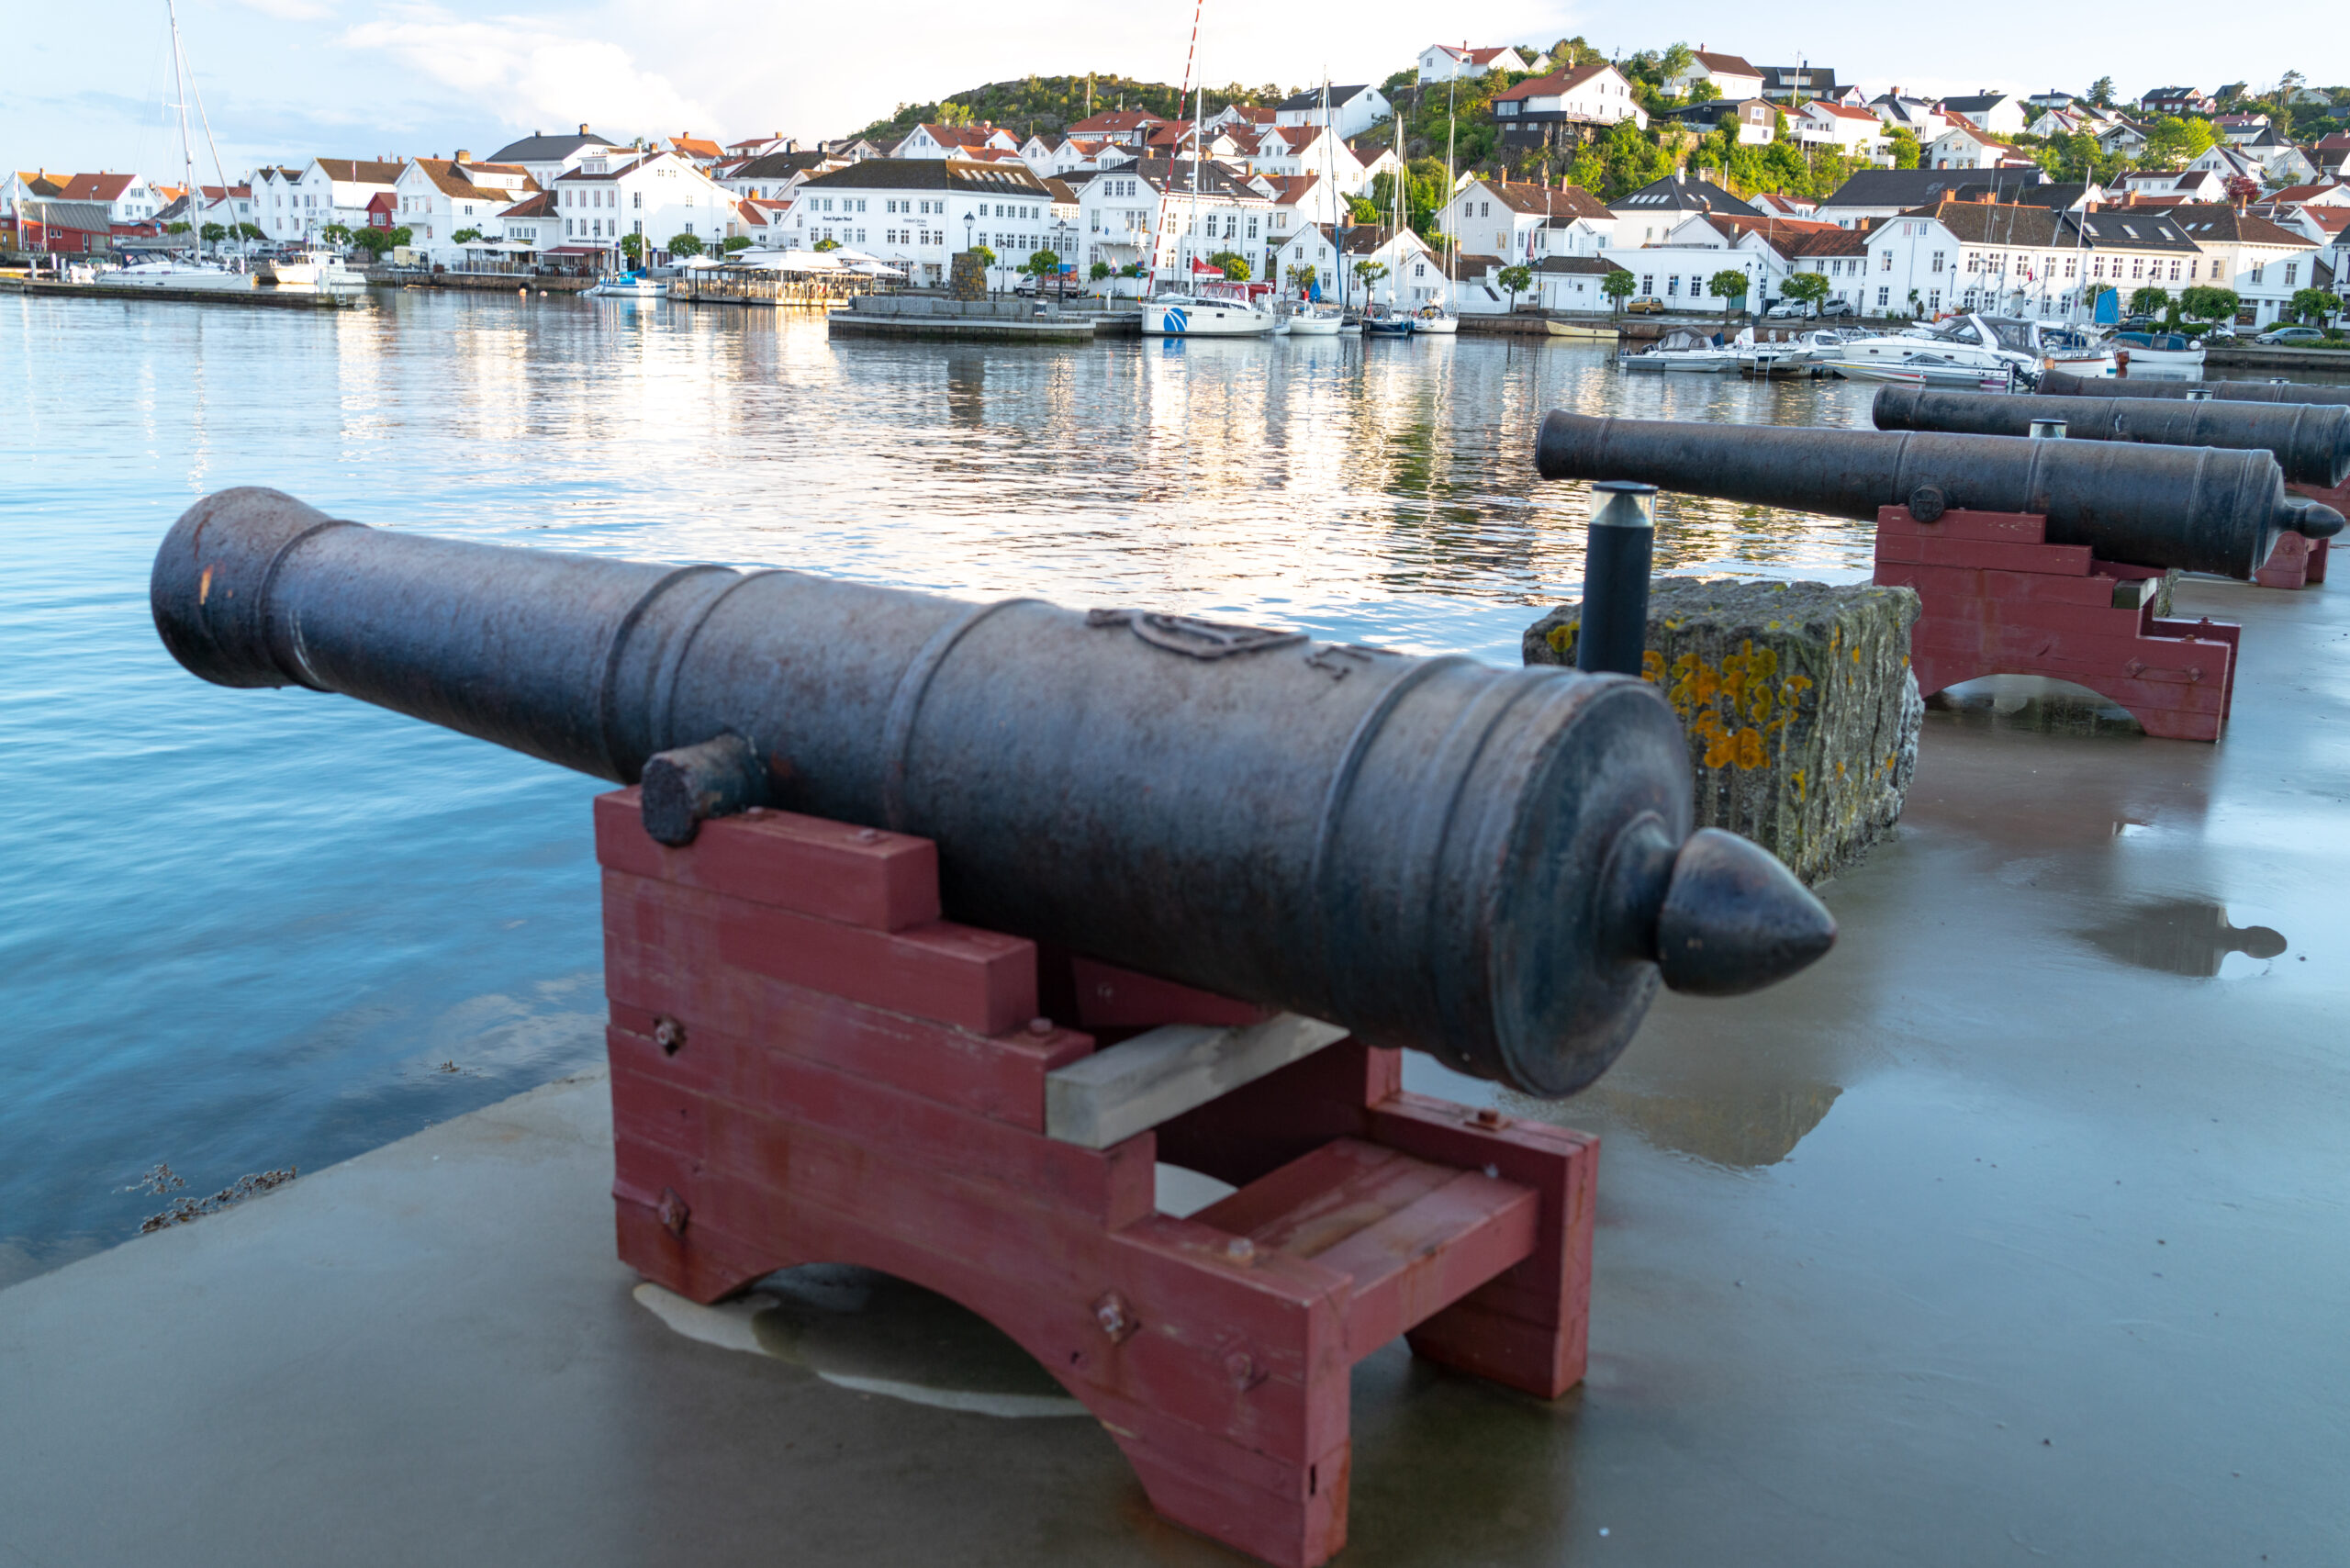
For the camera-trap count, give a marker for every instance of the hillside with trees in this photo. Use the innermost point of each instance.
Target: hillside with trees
(1034, 104)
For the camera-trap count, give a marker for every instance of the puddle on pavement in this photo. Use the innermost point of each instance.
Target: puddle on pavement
(874, 1333)
(2182, 936)
(2035, 704)
(1745, 1127)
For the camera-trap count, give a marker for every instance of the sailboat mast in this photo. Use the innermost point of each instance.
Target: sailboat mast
(187, 150)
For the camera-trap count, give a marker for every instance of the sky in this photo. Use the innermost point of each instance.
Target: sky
(284, 80)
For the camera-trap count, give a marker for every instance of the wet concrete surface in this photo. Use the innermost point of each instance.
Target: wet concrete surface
(2017, 1230)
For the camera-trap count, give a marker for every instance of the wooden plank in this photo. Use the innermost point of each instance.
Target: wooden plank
(1112, 1094)
(1431, 1253)
(2062, 560)
(979, 980)
(1999, 527)
(1108, 997)
(859, 875)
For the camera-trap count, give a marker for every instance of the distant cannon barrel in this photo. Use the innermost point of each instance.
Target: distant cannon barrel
(1494, 866)
(2065, 384)
(2311, 442)
(2194, 507)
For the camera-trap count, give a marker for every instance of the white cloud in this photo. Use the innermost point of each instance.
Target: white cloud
(522, 72)
(290, 10)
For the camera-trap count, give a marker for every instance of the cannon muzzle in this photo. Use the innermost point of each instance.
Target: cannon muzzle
(2197, 508)
(2311, 442)
(2065, 384)
(1494, 866)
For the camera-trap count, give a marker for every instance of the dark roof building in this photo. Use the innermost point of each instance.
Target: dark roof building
(1677, 194)
(540, 147)
(956, 174)
(1782, 83)
(1881, 193)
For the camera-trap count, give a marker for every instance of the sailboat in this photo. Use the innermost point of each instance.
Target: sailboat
(1386, 321)
(1321, 321)
(181, 272)
(1216, 310)
(1433, 317)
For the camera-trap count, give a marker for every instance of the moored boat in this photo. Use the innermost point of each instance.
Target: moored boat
(176, 273)
(631, 285)
(2166, 355)
(1432, 318)
(1682, 350)
(1316, 323)
(1204, 315)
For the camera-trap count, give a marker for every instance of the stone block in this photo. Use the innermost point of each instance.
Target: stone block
(1801, 710)
(966, 279)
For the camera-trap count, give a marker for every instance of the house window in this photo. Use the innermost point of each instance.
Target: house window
(1885, 262)
(2290, 268)
(1938, 262)
(2258, 268)
(1884, 298)
(1648, 282)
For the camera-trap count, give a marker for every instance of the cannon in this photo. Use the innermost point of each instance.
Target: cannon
(2309, 442)
(1492, 866)
(2197, 508)
(2063, 384)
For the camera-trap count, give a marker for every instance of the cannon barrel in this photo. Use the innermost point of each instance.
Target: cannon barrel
(2065, 384)
(2194, 507)
(2309, 442)
(1494, 866)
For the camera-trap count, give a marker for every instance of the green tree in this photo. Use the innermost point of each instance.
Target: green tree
(374, 242)
(1235, 264)
(1726, 286)
(1517, 280)
(1302, 278)
(213, 233)
(402, 235)
(1807, 290)
(684, 245)
(1362, 210)
(2315, 306)
(2206, 302)
(2148, 300)
(1040, 265)
(251, 231)
(736, 242)
(336, 233)
(1618, 287)
(826, 243)
(632, 247)
(175, 229)
(1703, 91)
(1903, 142)
(465, 236)
(2173, 142)
(1368, 273)
(1132, 269)
(2101, 91)
(1674, 62)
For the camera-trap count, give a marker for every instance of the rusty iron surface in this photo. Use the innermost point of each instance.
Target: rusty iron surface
(2311, 442)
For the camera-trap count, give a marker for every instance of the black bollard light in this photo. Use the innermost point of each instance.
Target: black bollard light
(1614, 630)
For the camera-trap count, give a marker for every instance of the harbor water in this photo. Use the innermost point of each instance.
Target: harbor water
(243, 932)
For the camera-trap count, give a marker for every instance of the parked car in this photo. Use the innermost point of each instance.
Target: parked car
(1785, 309)
(2141, 324)
(1646, 305)
(1837, 307)
(2308, 337)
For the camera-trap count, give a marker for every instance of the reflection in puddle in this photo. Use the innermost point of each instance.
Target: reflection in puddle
(2182, 936)
(2033, 703)
(876, 1334)
(1744, 1127)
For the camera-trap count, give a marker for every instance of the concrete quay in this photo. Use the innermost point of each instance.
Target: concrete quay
(2011, 1232)
(273, 297)
(938, 319)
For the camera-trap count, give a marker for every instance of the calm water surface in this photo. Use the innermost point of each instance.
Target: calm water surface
(246, 930)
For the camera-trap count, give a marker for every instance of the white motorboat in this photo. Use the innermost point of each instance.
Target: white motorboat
(2073, 351)
(631, 285)
(1966, 351)
(2161, 355)
(1432, 318)
(174, 273)
(1316, 323)
(1682, 349)
(1210, 312)
(316, 269)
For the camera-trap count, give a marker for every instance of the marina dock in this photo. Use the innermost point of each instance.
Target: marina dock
(272, 298)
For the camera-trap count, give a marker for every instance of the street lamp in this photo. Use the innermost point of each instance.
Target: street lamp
(969, 217)
(1060, 254)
